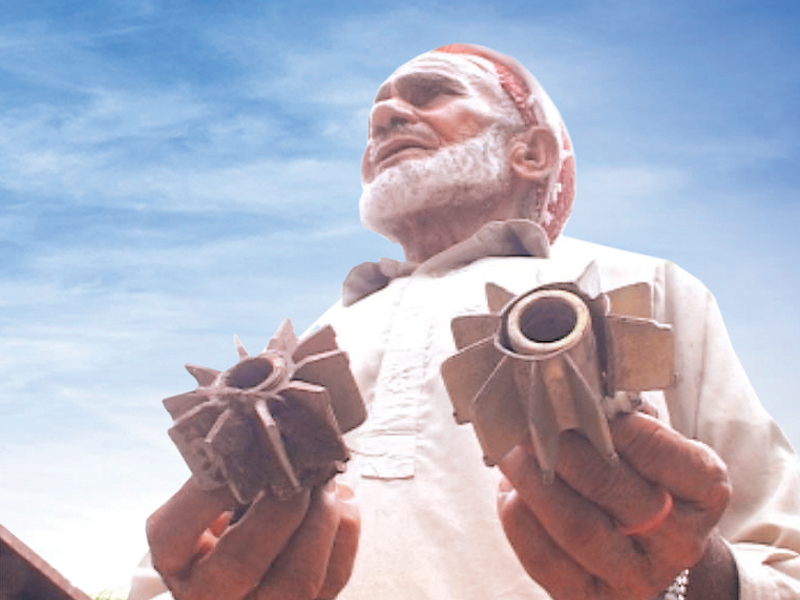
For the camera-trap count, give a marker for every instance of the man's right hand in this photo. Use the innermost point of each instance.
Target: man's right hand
(302, 548)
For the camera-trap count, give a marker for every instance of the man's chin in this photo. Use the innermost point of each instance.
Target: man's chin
(378, 219)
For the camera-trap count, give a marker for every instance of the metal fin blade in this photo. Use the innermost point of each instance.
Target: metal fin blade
(188, 434)
(470, 329)
(231, 443)
(284, 339)
(588, 407)
(332, 371)
(589, 281)
(465, 373)
(316, 438)
(641, 354)
(198, 421)
(203, 375)
(635, 300)
(540, 414)
(240, 350)
(499, 414)
(181, 404)
(320, 341)
(279, 469)
(556, 375)
(497, 297)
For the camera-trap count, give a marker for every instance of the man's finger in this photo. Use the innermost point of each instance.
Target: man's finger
(622, 492)
(691, 471)
(345, 546)
(578, 526)
(176, 528)
(246, 550)
(539, 555)
(300, 569)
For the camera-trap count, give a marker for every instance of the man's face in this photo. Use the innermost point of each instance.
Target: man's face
(448, 189)
(426, 105)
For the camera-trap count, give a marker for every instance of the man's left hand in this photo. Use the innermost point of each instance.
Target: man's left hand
(624, 530)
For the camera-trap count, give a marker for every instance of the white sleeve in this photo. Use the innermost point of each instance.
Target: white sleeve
(715, 404)
(147, 584)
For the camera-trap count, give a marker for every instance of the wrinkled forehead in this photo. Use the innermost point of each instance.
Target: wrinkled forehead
(472, 71)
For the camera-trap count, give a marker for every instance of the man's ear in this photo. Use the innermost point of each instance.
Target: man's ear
(534, 153)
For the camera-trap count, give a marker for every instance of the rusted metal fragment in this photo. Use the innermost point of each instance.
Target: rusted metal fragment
(550, 360)
(465, 376)
(497, 297)
(635, 300)
(25, 575)
(332, 370)
(318, 342)
(274, 420)
(183, 403)
(469, 329)
(499, 422)
(640, 354)
(189, 434)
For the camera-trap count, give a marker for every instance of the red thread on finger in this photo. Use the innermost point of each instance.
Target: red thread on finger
(654, 522)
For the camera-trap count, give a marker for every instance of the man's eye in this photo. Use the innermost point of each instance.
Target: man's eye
(426, 93)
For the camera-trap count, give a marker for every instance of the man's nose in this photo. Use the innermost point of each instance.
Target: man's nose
(389, 114)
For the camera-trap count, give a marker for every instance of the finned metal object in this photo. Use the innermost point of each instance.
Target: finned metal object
(274, 420)
(560, 357)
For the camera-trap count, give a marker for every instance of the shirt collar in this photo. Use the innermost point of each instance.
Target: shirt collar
(514, 237)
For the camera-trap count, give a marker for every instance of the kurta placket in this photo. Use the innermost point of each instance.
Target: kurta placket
(388, 442)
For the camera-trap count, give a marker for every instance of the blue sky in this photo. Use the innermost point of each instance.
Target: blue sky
(172, 173)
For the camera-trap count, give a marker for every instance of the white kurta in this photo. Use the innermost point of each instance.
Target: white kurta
(430, 529)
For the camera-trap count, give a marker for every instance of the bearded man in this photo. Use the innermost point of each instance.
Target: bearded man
(470, 169)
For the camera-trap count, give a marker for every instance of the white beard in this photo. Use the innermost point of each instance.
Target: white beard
(475, 173)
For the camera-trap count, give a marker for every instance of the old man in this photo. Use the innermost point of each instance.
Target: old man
(470, 169)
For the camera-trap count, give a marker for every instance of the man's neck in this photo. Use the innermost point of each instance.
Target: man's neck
(425, 235)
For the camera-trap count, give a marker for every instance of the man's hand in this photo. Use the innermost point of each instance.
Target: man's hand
(623, 531)
(302, 548)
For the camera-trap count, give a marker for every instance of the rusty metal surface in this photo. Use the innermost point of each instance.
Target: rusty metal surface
(274, 420)
(559, 357)
(24, 575)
